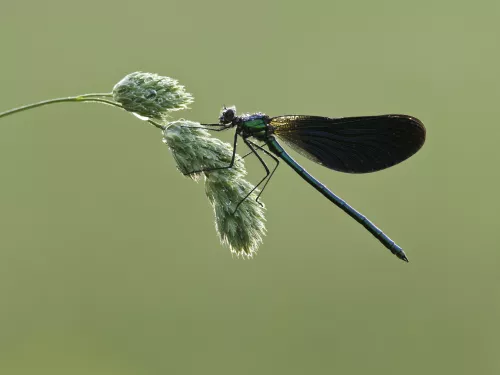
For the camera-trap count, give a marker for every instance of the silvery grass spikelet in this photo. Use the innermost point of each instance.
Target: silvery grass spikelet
(194, 149)
(150, 95)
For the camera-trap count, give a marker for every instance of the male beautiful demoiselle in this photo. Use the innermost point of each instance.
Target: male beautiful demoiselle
(347, 144)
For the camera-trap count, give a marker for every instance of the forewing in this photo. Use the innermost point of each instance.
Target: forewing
(352, 144)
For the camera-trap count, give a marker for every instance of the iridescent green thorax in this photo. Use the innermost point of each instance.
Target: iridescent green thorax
(255, 124)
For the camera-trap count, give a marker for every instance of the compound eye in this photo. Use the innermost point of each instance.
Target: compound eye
(229, 115)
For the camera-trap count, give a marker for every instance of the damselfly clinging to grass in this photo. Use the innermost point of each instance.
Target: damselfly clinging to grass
(349, 144)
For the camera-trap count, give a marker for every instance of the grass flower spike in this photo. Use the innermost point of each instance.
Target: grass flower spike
(150, 95)
(194, 149)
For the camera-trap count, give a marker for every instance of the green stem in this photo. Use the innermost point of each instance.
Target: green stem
(93, 98)
(80, 98)
(100, 94)
(157, 125)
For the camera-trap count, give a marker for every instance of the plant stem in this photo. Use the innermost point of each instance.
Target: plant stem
(157, 125)
(95, 98)
(80, 98)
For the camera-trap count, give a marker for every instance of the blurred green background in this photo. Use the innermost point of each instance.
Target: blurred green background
(109, 261)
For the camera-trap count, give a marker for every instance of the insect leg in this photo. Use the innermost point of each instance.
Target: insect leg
(249, 144)
(272, 172)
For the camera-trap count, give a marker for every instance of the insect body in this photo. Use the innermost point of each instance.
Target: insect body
(348, 144)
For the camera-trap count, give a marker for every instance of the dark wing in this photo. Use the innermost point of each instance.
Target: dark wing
(352, 144)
